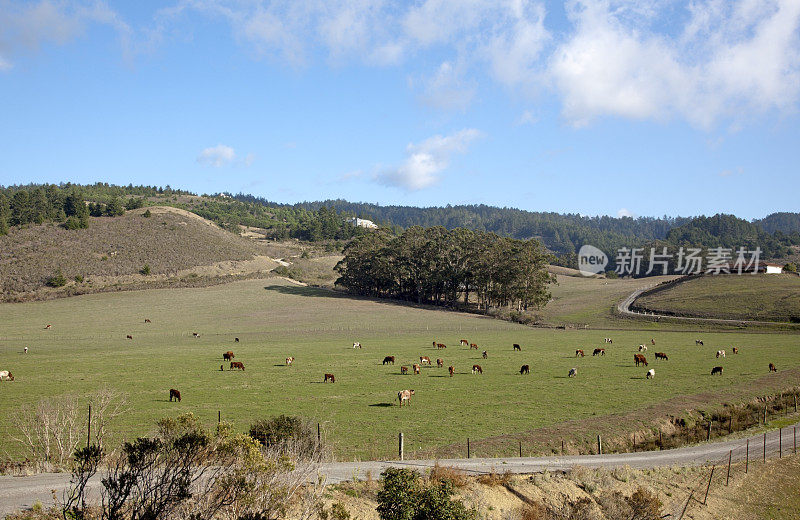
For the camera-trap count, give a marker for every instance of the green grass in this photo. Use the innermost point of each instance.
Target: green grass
(763, 297)
(86, 349)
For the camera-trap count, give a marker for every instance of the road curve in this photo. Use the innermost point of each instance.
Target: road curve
(18, 493)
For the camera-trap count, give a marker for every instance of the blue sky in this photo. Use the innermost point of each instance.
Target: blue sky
(595, 107)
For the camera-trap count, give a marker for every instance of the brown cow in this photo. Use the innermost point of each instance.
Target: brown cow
(228, 356)
(440, 346)
(147, 321)
(579, 352)
(525, 370)
(424, 360)
(329, 377)
(128, 337)
(48, 326)
(196, 334)
(599, 352)
(404, 396)
(517, 347)
(388, 359)
(735, 350)
(416, 368)
(485, 355)
(404, 370)
(237, 365)
(473, 346)
(639, 359)
(661, 355)
(221, 368)
(716, 370)
(464, 343)
(653, 341)
(174, 394)
(440, 363)
(772, 368)
(289, 361)
(476, 369)
(452, 371)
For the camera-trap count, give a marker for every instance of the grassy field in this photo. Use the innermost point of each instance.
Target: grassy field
(86, 349)
(765, 297)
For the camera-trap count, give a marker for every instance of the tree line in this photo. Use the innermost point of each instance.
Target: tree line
(441, 266)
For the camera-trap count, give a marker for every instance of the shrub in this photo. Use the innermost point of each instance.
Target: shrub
(403, 497)
(285, 433)
(57, 280)
(147, 214)
(78, 278)
(791, 267)
(612, 275)
(645, 505)
(443, 473)
(145, 270)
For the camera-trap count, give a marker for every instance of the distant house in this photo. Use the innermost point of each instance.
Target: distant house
(774, 268)
(364, 223)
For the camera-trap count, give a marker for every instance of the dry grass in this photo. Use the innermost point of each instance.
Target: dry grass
(456, 477)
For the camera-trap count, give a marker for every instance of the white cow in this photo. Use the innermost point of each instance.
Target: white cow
(289, 360)
(26, 350)
(356, 345)
(720, 353)
(573, 372)
(6, 375)
(642, 348)
(651, 373)
(404, 396)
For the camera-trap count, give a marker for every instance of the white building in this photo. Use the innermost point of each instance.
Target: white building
(362, 222)
(774, 269)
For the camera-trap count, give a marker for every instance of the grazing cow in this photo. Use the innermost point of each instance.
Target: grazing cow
(573, 372)
(485, 355)
(720, 353)
(476, 369)
(452, 371)
(608, 340)
(639, 359)
(579, 352)
(388, 359)
(653, 341)
(517, 347)
(128, 337)
(25, 350)
(236, 340)
(289, 361)
(661, 355)
(599, 352)
(48, 327)
(642, 348)
(464, 343)
(440, 346)
(146, 320)
(237, 365)
(424, 360)
(772, 368)
(356, 345)
(651, 373)
(525, 370)
(415, 367)
(698, 342)
(716, 370)
(404, 396)
(329, 377)
(196, 334)
(735, 350)
(228, 356)
(440, 363)
(174, 394)
(473, 346)
(221, 368)
(6, 375)
(404, 370)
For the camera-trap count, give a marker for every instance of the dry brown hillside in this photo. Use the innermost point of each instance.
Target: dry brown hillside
(169, 242)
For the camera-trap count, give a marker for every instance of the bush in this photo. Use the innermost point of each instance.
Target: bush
(403, 497)
(285, 433)
(145, 270)
(645, 505)
(612, 275)
(56, 280)
(147, 214)
(75, 223)
(791, 267)
(78, 278)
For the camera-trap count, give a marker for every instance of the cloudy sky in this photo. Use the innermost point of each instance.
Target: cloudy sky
(629, 107)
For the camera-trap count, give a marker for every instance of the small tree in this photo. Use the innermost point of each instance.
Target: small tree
(114, 208)
(397, 499)
(147, 214)
(791, 267)
(145, 270)
(57, 280)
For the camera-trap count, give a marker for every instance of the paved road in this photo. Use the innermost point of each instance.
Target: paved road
(21, 492)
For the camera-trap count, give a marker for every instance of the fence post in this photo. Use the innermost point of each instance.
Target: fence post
(795, 402)
(730, 424)
(794, 439)
(765, 447)
(709, 484)
(747, 456)
(599, 445)
(562, 446)
(89, 427)
(687, 505)
(728, 478)
(765, 414)
(520, 449)
(708, 436)
(319, 434)
(219, 416)
(467, 447)
(401, 446)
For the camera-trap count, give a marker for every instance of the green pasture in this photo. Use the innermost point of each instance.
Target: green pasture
(87, 349)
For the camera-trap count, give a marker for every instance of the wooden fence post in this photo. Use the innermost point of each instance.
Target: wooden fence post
(219, 416)
(765, 414)
(319, 435)
(728, 478)
(401, 446)
(708, 436)
(599, 445)
(794, 438)
(687, 505)
(89, 427)
(467, 447)
(562, 446)
(730, 424)
(709, 483)
(520, 449)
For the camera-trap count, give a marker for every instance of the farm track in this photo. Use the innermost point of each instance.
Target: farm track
(18, 493)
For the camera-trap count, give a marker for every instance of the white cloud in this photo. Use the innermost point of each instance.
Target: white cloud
(446, 89)
(731, 172)
(624, 213)
(427, 160)
(217, 156)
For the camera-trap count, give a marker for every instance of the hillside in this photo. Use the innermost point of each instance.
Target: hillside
(169, 242)
(764, 297)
